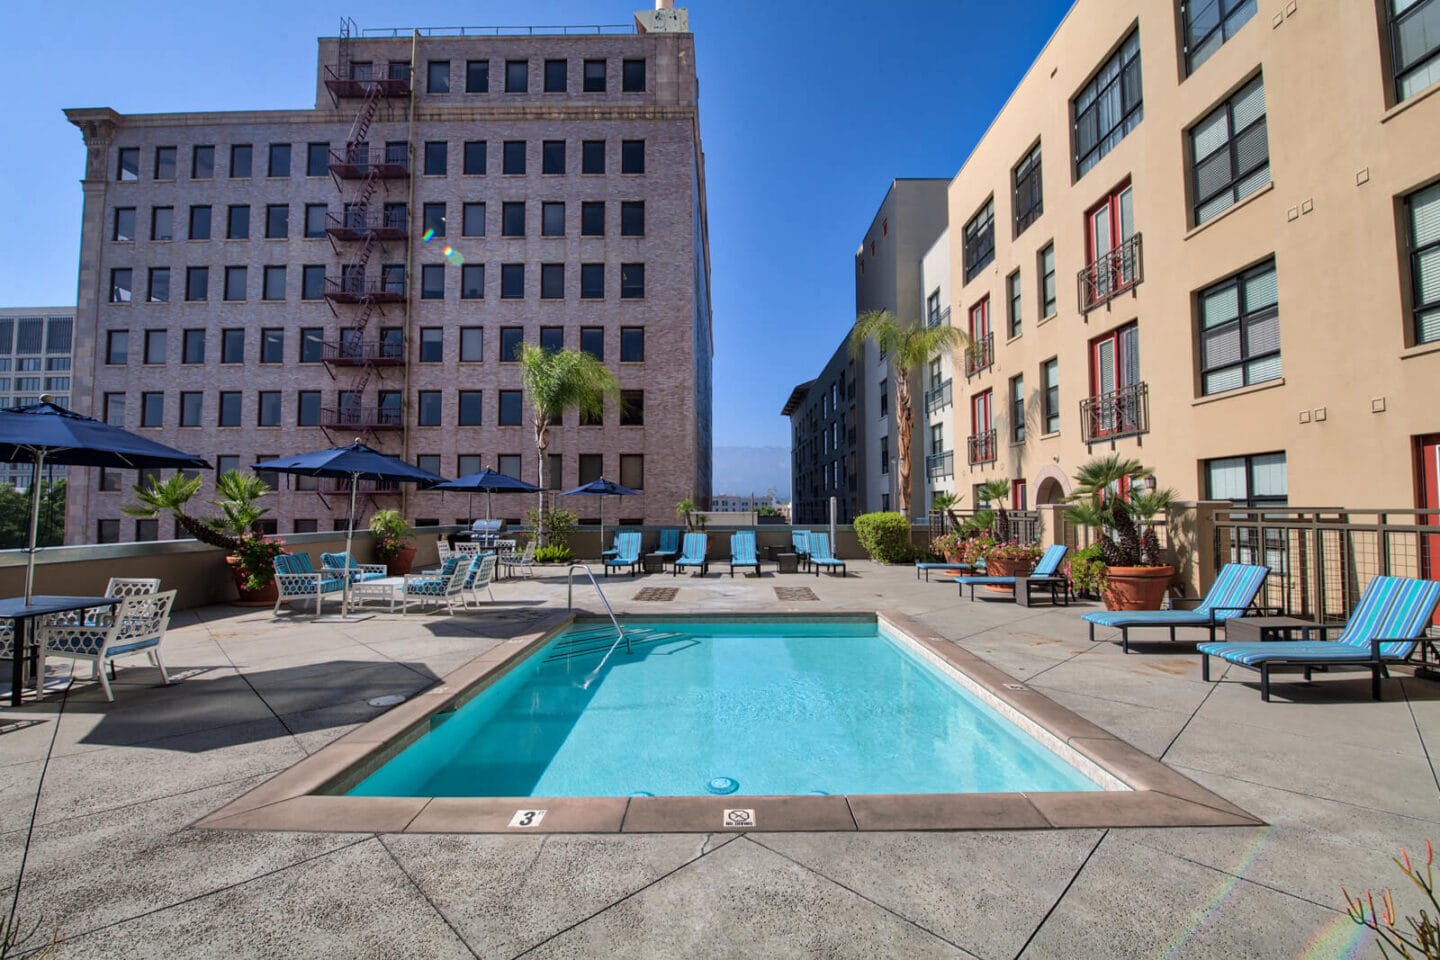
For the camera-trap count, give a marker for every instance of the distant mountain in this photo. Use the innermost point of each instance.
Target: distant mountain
(745, 470)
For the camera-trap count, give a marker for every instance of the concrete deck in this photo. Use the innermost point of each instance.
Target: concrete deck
(118, 867)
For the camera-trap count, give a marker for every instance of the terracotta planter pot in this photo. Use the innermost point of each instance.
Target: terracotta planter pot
(1006, 568)
(1136, 588)
(400, 564)
(264, 597)
(954, 556)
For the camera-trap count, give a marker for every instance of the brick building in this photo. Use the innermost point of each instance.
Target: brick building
(270, 282)
(35, 358)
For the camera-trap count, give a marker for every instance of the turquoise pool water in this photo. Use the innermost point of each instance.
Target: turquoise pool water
(709, 706)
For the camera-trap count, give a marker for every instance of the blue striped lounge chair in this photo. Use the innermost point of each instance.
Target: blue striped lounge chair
(820, 555)
(627, 552)
(297, 579)
(669, 543)
(742, 551)
(692, 553)
(1386, 626)
(1046, 574)
(927, 567)
(1233, 592)
(359, 572)
(800, 542)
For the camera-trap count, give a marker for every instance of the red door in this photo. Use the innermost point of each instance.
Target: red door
(1427, 452)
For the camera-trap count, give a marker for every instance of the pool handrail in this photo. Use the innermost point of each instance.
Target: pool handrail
(570, 603)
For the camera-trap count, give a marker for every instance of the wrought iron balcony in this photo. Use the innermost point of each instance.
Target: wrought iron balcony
(355, 353)
(356, 161)
(360, 224)
(361, 417)
(938, 319)
(1112, 274)
(356, 289)
(980, 356)
(981, 447)
(358, 81)
(1123, 413)
(940, 464)
(938, 396)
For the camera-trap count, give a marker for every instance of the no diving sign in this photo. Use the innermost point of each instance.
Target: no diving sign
(739, 819)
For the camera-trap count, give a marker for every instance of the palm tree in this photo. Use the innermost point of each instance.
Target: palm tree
(908, 346)
(1097, 503)
(556, 381)
(238, 493)
(996, 492)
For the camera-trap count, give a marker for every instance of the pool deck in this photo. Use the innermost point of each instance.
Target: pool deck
(119, 866)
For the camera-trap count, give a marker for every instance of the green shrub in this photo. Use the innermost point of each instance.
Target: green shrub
(885, 536)
(553, 553)
(560, 525)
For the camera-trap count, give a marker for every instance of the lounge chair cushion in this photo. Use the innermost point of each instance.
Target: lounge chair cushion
(1251, 654)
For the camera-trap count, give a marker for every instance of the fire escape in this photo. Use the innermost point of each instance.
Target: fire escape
(369, 225)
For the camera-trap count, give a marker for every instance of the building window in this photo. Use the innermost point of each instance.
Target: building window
(437, 76)
(1029, 196)
(512, 281)
(552, 281)
(307, 408)
(1017, 409)
(475, 158)
(1046, 259)
(240, 156)
(1112, 260)
(592, 218)
(472, 220)
(232, 345)
(552, 157)
(155, 341)
(509, 408)
(432, 281)
(632, 281)
(159, 284)
(269, 409)
(1422, 221)
(162, 223)
(512, 219)
(192, 348)
(552, 339)
(200, 223)
(592, 281)
(273, 286)
(272, 345)
(1229, 152)
(432, 344)
(235, 283)
(632, 76)
(594, 76)
(1259, 480)
(197, 283)
(470, 408)
(632, 156)
(552, 219)
(202, 162)
(1208, 24)
(114, 406)
(1240, 330)
(632, 344)
(1414, 44)
(124, 224)
(121, 283)
(164, 163)
(1012, 311)
(312, 342)
(1116, 407)
(428, 408)
(510, 340)
(592, 341)
(592, 156)
(592, 467)
(315, 220)
(1050, 399)
(472, 281)
(555, 76)
(980, 240)
(472, 344)
(127, 164)
(277, 221)
(237, 222)
(884, 398)
(436, 158)
(517, 76)
(190, 408)
(433, 219)
(152, 409)
(107, 531)
(632, 218)
(632, 408)
(512, 157)
(317, 159)
(312, 282)
(229, 408)
(477, 76)
(279, 160)
(885, 455)
(632, 471)
(1109, 106)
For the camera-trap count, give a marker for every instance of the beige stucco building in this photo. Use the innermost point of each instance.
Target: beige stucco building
(1207, 236)
(256, 284)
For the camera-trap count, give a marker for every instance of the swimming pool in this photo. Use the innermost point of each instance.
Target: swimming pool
(748, 706)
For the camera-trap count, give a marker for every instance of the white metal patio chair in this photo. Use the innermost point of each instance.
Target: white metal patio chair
(136, 626)
(512, 563)
(433, 589)
(482, 571)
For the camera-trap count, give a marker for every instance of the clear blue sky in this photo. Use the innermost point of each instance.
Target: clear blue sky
(808, 109)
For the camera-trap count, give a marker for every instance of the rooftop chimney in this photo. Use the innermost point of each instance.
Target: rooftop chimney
(663, 19)
(664, 4)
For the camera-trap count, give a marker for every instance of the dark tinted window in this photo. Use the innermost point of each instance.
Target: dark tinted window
(552, 338)
(432, 281)
(592, 281)
(592, 341)
(555, 71)
(437, 76)
(432, 344)
(315, 220)
(277, 221)
(517, 76)
(594, 76)
(202, 163)
(632, 408)
(312, 286)
(240, 160)
(274, 284)
(552, 156)
(632, 156)
(272, 345)
(200, 223)
(311, 343)
(592, 218)
(633, 78)
(510, 415)
(127, 164)
(512, 219)
(237, 224)
(236, 283)
(632, 344)
(197, 283)
(279, 160)
(472, 220)
(512, 281)
(472, 344)
(433, 219)
(269, 409)
(193, 346)
(307, 409)
(164, 163)
(510, 340)
(470, 408)
(475, 157)
(472, 281)
(512, 157)
(552, 219)
(435, 158)
(317, 159)
(592, 156)
(552, 281)
(477, 76)
(229, 408)
(632, 218)
(232, 345)
(632, 281)
(429, 408)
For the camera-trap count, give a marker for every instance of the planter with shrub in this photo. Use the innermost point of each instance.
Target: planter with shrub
(1135, 575)
(393, 546)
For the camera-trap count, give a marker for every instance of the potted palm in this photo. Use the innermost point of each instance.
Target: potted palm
(393, 546)
(1109, 500)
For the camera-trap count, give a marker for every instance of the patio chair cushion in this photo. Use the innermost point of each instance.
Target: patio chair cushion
(1251, 654)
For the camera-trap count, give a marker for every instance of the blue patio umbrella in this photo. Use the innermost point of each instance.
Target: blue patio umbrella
(354, 462)
(46, 432)
(602, 488)
(487, 481)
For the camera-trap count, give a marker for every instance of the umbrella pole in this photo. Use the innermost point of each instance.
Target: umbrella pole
(34, 525)
(349, 542)
(602, 526)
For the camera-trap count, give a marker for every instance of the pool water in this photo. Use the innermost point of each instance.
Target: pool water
(704, 707)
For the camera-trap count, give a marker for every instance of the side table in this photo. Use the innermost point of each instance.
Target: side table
(652, 563)
(1264, 629)
(787, 562)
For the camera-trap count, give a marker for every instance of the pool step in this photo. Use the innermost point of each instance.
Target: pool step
(601, 641)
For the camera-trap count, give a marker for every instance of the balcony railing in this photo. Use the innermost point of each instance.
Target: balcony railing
(938, 396)
(1112, 274)
(940, 465)
(358, 224)
(940, 318)
(356, 289)
(1123, 413)
(358, 161)
(372, 417)
(981, 447)
(354, 353)
(363, 486)
(980, 355)
(358, 82)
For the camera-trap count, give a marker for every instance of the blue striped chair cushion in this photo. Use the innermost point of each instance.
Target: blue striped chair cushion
(1162, 618)
(1251, 654)
(1049, 564)
(1397, 607)
(1234, 589)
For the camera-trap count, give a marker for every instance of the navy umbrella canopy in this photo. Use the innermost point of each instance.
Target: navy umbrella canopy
(487, 481)
(46, 432)
(602, 488)
(353, 462)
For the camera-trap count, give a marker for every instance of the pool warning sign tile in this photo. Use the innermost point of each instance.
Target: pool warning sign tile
(738, 819)
(527, 818)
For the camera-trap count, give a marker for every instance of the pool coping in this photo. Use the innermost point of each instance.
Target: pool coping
(296, 798)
